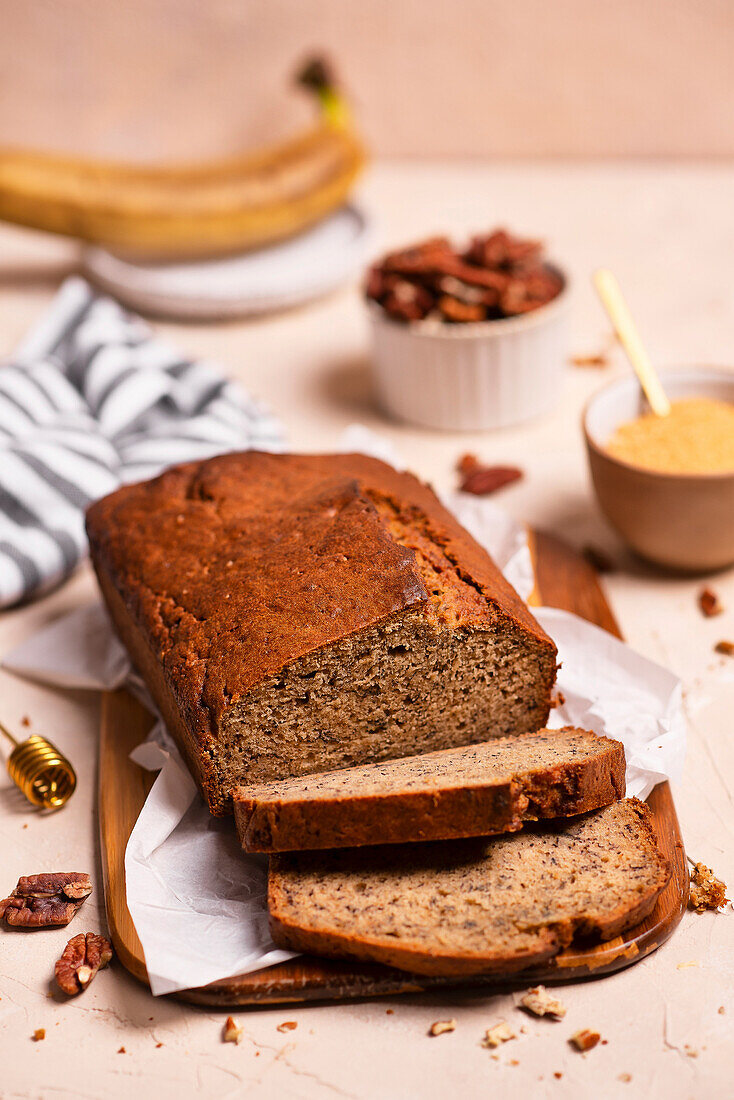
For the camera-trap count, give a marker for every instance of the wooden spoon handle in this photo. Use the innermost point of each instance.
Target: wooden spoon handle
(608, 290)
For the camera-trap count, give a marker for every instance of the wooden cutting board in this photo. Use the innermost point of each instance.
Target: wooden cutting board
(564, 580)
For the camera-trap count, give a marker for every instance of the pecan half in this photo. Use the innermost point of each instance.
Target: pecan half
(709, 603)
(482, 480)
(80, 960)
(47, 900)
(454, 310)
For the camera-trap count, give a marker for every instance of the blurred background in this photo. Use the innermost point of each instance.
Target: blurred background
(428, 78)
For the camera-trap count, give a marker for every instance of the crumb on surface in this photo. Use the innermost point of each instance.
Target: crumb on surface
(585, 1039)
(595, 359)
(39, 1034)
(686, 965)
(726, 649)
(706, 891)
(441, 1027)
(625, 1077)
(500, 1033)
(122, 1051)
(389, 1011)
(232, 1032)
(287, 1025)
(542, 1003)
(25, 721)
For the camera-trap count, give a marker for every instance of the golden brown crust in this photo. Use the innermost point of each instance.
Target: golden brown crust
(447, 809)
(229, 570)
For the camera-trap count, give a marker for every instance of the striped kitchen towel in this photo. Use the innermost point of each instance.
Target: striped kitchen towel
(92, 399)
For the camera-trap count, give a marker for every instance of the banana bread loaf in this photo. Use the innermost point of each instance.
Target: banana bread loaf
(302, 613)
(459, 907)
(476, 790)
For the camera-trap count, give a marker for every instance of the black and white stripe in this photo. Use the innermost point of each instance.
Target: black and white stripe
(92, 399)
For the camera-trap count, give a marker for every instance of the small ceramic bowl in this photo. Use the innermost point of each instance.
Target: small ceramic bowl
(475, 376)
(684, 522)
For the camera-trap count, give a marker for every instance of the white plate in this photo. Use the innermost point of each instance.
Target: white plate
(286, 274)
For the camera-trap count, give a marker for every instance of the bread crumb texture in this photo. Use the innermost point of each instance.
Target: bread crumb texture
(541, 1003)
(472, 906)
(442, 1027)
(706, 891)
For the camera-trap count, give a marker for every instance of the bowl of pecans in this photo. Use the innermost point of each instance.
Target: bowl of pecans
(468, 339)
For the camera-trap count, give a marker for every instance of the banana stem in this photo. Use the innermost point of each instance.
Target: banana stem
(317, 77)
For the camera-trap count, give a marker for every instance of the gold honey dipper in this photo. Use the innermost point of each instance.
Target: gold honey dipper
(40, 771)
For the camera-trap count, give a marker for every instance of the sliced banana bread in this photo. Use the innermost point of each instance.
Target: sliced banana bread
(471, 906)
(476, 790)
(301, 613)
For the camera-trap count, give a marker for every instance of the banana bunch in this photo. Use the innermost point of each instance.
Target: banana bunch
(191, 210)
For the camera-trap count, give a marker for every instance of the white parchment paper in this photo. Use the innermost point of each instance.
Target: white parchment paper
(198, 903)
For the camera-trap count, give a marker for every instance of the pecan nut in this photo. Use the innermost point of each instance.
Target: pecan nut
(482, 480)
(497, 276)
(80, 960)
(709, 603)
(48, 900)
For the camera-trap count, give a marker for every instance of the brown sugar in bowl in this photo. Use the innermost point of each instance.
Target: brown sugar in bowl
(681, 521)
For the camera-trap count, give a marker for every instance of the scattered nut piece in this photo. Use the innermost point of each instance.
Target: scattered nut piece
(158, 1045)
(122, 1051)
(482, 480)
(287, 1025)
(558, 1075)
(441, 1027)
(706, 891)
(709, 603)
(585, 1039)
(626, 1077)
(231, 1033)
(597, 559)
(38, 1034)
(389, 1011)
(25, 721)
(542, 1003)
(46, 900)
(597, 360)
(80, 960)
(725, 648)
(500, 1033)
(722, 1010)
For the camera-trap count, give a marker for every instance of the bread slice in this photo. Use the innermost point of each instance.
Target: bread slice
(471, 906)
(301, 613)
(476, 790)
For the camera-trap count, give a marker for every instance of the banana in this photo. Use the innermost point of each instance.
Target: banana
(182, 211)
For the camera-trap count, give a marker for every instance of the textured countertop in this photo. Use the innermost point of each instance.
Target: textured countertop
(668, 233)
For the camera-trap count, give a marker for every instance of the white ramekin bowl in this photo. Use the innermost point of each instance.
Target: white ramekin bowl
(474, 376)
